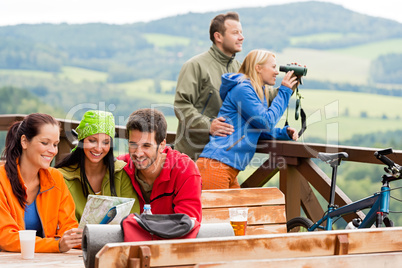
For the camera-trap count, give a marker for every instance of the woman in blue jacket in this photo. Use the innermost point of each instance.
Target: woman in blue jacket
(245, 106)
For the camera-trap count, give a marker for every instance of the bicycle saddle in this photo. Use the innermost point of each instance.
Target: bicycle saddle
(327, 157)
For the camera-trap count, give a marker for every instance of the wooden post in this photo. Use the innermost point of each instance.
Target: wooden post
(289, 184)
(309, 201)
(341, 244)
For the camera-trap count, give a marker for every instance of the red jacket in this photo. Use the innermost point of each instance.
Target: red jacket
(176, 190)
(55, 206)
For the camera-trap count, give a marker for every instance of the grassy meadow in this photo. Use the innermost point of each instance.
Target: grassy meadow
(329, 66)
(164, 40)
(331, 115)
(79, 75)
(75, 74)
(372, 50)
(338, 115)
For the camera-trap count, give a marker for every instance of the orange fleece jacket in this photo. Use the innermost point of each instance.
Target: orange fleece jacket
(55, 206)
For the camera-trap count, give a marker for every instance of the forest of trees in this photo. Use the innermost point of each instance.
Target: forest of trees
(387, 69)
(125, 54)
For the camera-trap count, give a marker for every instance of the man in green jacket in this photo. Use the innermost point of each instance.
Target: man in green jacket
(197, 101)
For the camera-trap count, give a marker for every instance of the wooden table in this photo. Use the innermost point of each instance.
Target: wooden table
(72, 258)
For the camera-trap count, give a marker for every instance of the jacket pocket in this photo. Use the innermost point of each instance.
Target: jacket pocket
(206, 102)
(234, 144)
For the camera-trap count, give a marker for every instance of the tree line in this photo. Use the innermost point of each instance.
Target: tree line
(125, 54)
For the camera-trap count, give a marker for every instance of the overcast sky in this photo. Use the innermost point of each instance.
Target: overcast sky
(129, 11)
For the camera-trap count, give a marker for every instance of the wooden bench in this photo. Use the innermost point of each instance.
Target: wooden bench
(190, 252)
(266, 214)
(384, 260)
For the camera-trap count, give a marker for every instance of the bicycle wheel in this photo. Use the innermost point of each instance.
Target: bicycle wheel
(298, 224)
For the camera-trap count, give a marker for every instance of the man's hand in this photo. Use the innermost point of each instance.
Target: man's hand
(220, 128)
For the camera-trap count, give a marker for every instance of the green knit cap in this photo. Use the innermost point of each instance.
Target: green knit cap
(94, 122)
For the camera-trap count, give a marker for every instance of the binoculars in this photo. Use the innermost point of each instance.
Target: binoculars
(298, 70)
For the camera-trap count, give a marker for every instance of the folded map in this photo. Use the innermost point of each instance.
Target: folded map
(101, 209)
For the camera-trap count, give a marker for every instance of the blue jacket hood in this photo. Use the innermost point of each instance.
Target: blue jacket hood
(229, 81)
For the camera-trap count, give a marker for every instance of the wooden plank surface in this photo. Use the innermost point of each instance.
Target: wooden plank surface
(266, 214)
(120, 256)
(383, 260)
(313, 244)
(7, 119)
(266, 229)
(72, 258)
(256, 215)
(242, 197)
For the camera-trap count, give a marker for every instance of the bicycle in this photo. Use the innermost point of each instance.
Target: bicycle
(378, 202)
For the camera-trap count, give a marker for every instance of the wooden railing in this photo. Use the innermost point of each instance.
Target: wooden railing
(298, 174)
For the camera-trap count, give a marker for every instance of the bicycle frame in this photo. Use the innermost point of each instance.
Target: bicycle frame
(379, 203)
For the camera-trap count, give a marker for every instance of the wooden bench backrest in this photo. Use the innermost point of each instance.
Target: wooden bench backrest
(266, 214)
(189, 252)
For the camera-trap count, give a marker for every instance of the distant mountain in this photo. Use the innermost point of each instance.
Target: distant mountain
(127, 52)
(273, 26)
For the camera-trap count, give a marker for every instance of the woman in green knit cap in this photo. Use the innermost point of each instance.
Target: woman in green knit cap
(91, 167)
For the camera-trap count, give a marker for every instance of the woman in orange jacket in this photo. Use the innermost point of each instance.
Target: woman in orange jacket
(33, 195)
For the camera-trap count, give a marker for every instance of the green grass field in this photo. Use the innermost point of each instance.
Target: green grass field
(164, 40)
(347, 65)
(319, 38)
(327, 65)
(79, 75)
(142, 88)
(337, 115)
(354, 102)
(75, 74)
(27, 73)
(372, 50)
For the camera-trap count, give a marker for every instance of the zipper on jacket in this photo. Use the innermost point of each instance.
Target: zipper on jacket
(227, 65)
(206, 103)
(234, 144)
(43, 235)
(36, 204)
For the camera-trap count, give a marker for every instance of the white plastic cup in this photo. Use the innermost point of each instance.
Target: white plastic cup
(27, 242)
(238, 220)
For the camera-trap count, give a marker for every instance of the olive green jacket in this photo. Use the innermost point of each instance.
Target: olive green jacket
(122, 182)
(197, 101)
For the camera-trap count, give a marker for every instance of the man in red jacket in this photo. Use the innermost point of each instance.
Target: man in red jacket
(163, 177)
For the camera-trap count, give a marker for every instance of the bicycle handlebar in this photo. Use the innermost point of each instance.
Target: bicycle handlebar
(380, 155)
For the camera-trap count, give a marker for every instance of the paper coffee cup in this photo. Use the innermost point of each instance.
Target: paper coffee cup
(27, 242)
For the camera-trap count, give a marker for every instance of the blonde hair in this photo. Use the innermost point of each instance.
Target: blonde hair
(254, 58)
